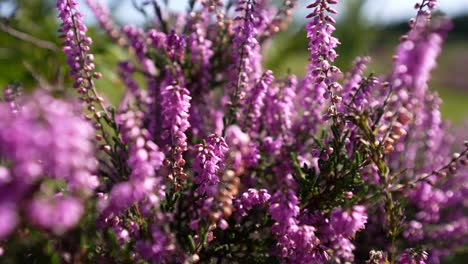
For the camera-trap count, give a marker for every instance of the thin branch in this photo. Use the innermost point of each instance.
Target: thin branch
(425, 176)
(28, 38)
(43, 83)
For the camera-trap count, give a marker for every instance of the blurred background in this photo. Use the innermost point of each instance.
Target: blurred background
(30, 53)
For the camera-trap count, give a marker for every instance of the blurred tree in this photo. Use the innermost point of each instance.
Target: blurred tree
(28, 42)
(30, 52)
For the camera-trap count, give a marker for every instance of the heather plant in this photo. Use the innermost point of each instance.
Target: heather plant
(210, 158)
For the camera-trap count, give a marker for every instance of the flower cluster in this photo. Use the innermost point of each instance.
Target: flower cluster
(76, 45)
(209, 157)
(255, 102)
(137, 41)
(348, 223)
(47, 147)
(250, 199)
(175, 101)
(246, 44)
(296, 242)
(322, 46)
(208, 162)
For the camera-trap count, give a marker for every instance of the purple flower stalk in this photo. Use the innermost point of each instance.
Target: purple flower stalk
(243, 151)
(354, 91)
(145, 102)
(310, 98)
(246, 55)
(280, 109)
(175, 46)
(416, 58)
(157, 39)
(320, 81)
(254, 103)
(322, 46)
(137, 40)
(103, 15)
(144, 159)
(201, 53)
(208, 162)
(126, 69)
(295, 242)
(76, 45)
(144, 155)
(175, 103)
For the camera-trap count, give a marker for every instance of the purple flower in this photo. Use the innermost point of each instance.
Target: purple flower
(414, 231)
(347, 223)
(246, 49)
(175, 46)
(284, 209)
(46, 140)
(9, 218)
(160, 248)
(322, 46)
(137, 40)
(126, 69)
(255, 102)
(280, 110)
(57, 214)
(354, 77)
(416, 58)
(158, 39)
(76, 45)
(310, 98)
(296, 242)
(354, 92)
(50, 138)
(103, 15)
(144, 160)
(144, 155)
(208, 161)
(175, 104)
(411, 256)
(243, 152)
(199, 46)
(250, 199)
(343, 249)
(122, 234)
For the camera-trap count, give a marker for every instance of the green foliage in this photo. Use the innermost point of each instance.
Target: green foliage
(339, 174)
(36, 19)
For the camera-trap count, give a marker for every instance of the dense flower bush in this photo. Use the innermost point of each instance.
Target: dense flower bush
(209, 158)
